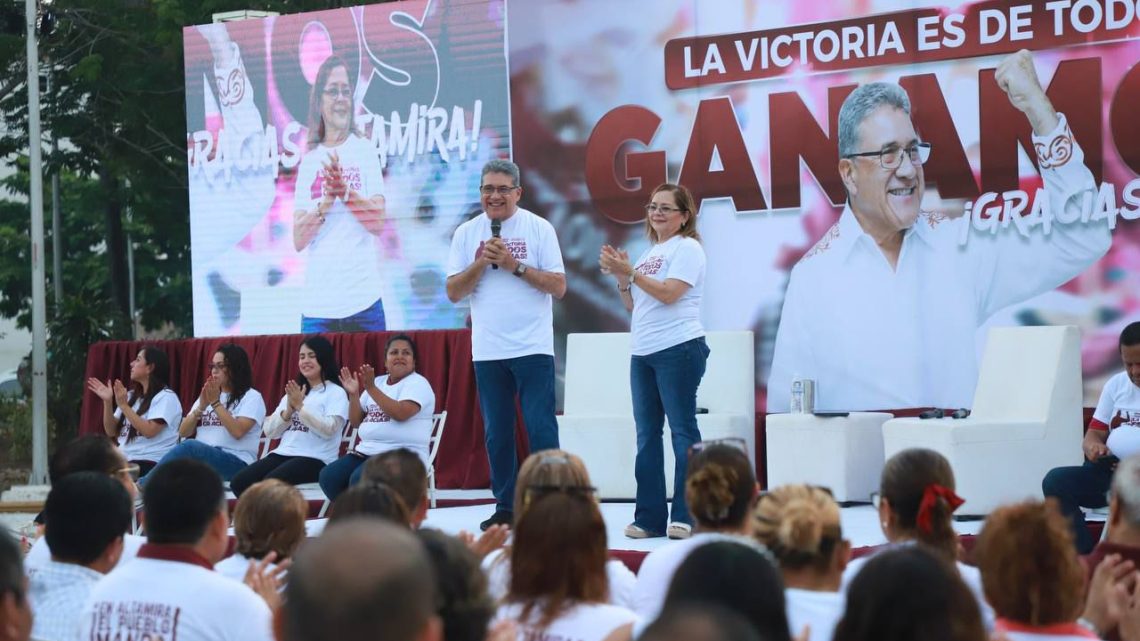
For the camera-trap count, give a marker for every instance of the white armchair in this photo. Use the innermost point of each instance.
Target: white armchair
(1026, 419)
(597, 421)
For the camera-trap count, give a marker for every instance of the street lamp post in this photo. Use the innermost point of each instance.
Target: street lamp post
(39, 314)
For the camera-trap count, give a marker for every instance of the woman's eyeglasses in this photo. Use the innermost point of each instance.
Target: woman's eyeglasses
(338, 92)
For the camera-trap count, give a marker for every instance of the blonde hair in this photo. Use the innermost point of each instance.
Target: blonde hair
(799, 524)
(685, 203)
(719, 487)
(270, 517)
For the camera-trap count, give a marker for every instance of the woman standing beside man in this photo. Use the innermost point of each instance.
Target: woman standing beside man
(667, 341)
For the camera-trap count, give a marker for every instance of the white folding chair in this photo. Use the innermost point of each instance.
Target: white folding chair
(438, 422)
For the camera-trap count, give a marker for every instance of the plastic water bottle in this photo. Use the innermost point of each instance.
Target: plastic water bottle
(797, 404)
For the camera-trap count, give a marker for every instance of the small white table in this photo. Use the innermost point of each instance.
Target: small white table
(843, 453)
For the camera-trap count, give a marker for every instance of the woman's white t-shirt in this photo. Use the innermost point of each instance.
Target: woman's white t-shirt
(818, 610)
(497, 567)
(328, 399)
(655, 325)
(381, 433)
(581, 622)
(164, 406)
(342, 274)
(212, 432)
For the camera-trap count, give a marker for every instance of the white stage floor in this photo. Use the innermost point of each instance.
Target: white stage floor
(860, 523)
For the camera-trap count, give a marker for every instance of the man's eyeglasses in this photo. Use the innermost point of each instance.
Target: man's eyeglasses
(653, 208)
(131, 470)
(891, 157)
(338, 92)
(734, 442)
(487, 190)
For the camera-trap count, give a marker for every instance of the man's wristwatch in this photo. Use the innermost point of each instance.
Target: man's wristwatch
(520, 269)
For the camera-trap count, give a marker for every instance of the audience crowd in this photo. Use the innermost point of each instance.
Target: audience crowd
(761, 565)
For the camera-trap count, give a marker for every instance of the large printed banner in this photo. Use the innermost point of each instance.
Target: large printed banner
(331, 155)
(740, 102)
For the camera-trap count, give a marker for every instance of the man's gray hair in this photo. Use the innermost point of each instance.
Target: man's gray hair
(1126, 488)
(862, 103)
(499, 166)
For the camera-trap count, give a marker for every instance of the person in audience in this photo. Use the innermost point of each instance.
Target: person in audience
(553, 468)
(370, 499)
(704, 622)
(907, 593)
(737, 574)
(1031, 574)
(223, 427)
(269, 519)
(383, 589)
(559, 588)
(916, 503)
(144, 420)
(309, 420)
(1113, 434)
(508, 262)
(15, 610)
(393, 411)
(90, 454)
(667, 340)
(88, 513)
(465, 606)
(403, 471)
(721, 489)
(800, 525)
(171, 586)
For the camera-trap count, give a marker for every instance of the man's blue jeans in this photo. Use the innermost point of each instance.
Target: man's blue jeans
(224, 463)
(664, 384)
(368, 320)
(532, 378)
(1076, 487)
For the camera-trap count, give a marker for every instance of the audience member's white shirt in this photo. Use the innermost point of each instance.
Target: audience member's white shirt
(40, 554)
(57, 593)
(1059, 632)
(818, 610)
(497, 567)
(582, 622)
(660, 565)
(169, 590)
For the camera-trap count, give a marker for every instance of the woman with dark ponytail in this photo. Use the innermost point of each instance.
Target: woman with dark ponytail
(144, 419)
(916, 503)
(720, 489)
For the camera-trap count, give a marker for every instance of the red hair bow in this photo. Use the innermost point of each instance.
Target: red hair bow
(930, 496)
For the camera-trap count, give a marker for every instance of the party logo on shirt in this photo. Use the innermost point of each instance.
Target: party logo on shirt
(210, 419)
(296, 425)
(517, 247)
(377, 415)
(1125, 417)
(134, 621)
(651, 266)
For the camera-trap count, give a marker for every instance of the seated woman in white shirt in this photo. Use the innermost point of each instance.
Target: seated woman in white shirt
(392, 411)
(309, 420)
(269, 519)
(907, 593)
(559, 588)
(916, 503)
(720, 490)
(800, 525)
(145, 419)
(1032, 575)
(223, 427)
(552, 468)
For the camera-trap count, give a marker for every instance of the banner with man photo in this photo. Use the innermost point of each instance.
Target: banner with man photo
(331, 155)
(740, 102)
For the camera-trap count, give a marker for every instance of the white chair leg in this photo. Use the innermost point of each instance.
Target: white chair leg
(324, 509)
(431, 487)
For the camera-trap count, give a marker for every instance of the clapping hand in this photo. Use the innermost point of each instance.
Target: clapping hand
(367, 375)
(101, 389)
(616, 262)
(295, 394)
(349, 381)
(334, 183)
(267, 581)
(211, 393)
(120, 393)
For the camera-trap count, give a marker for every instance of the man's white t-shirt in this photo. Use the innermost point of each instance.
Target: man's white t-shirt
(655, 325)
(582, 622)
(176, 600)
(659, 566)
(342, 275)
(818, 610)
(328, 399)
(1118, 411)
(509, 318)
(212, 432)
(41, 553)
(164, 406)
(497, 567)
(380, 433)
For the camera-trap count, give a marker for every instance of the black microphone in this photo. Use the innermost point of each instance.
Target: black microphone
(496, 231)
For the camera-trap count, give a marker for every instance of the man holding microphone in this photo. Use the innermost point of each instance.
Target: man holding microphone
(507, 259)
